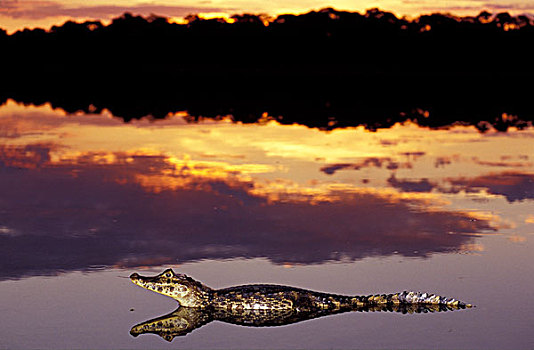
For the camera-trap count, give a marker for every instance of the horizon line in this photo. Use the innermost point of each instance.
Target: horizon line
(227, 16)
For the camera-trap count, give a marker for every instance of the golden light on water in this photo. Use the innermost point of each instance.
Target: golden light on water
(454, 169)
(403, 207)
(272, 149)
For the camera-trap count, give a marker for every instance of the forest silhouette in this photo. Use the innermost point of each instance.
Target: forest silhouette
(323, 69)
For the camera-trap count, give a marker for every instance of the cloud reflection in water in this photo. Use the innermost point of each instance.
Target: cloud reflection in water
(514, 186)
(122, 209)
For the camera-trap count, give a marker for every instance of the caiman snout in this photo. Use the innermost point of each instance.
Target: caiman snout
(137, 279)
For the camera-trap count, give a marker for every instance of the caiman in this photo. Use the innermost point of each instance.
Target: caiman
(264, 305)
(191, 293)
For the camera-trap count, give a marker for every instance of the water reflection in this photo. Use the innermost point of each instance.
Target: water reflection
(113, 209)
(513, 185)
(184, 320)
(86, 190)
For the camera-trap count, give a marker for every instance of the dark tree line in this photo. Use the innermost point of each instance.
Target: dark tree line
(324, 68)
(323, 40)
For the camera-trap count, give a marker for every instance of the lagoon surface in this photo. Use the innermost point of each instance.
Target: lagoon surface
(87, 199)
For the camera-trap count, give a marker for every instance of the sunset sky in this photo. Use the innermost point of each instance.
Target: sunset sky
(18, 14)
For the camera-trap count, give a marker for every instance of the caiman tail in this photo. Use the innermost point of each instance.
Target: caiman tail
(408, 298)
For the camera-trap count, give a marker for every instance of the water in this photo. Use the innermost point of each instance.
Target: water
(85, 200)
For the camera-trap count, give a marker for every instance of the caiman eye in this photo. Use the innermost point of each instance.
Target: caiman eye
(168, 275)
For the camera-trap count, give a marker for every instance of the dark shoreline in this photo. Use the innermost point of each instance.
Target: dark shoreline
(323, 69)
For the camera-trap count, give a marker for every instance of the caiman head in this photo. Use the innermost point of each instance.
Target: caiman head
(184, 289)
